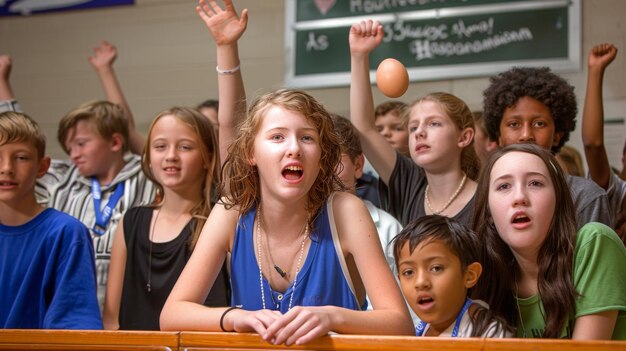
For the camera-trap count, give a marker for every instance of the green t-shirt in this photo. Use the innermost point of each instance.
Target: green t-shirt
(599, 278)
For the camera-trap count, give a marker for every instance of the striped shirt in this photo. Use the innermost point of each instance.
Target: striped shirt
(64, 189)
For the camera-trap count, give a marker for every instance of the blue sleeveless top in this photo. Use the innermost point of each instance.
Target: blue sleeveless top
(321, 281)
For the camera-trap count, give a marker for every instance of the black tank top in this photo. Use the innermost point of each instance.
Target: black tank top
(140, 309)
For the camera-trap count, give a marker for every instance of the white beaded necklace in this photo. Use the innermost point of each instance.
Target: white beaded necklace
(259, 259)
(449, 202)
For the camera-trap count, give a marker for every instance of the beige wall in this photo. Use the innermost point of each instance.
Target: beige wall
(166, 57)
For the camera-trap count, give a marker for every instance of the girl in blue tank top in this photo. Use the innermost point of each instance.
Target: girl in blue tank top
(301, 259)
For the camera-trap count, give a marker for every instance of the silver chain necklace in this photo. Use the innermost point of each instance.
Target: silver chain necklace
(260, 256)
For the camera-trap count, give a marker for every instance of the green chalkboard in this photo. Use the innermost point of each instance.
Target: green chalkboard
(310, 10)
(463, 38)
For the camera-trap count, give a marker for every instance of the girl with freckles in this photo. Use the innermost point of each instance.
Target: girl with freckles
(538, 272)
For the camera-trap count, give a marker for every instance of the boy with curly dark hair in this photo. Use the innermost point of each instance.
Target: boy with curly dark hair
(534, 105)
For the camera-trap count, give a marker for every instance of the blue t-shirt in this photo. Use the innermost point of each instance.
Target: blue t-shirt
(320, 282)
(47, 274)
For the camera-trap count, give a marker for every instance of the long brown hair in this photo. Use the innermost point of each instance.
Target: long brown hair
(554, 279)
(462, 117)
(210, 159)
(241, 186)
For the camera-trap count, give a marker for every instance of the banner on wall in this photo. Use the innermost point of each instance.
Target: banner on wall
(28, 7)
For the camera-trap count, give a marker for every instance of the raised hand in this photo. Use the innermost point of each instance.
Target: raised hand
(602, 55)
(225, 25)
(365, 36)
(103, 55)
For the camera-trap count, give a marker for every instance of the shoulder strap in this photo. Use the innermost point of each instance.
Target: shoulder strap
(337, 243)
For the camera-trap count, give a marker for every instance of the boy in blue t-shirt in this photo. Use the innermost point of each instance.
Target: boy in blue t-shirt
(47, 271)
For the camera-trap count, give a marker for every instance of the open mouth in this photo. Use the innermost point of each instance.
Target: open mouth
(520, 219)
(293, 172)
(421, 148)
(425, 300)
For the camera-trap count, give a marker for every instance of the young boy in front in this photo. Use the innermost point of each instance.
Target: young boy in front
(437, 261)
(47, 272)
(534, 105)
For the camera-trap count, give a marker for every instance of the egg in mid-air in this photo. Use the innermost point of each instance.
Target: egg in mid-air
(392, 78)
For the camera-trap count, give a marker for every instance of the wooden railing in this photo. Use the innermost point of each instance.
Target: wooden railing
(194, 341)
(14, 339)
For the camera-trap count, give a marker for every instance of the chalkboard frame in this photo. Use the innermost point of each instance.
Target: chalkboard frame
(436, 72)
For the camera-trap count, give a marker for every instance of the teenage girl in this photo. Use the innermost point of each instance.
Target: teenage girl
(289, 239)
(440, 178)
(153, 243)
(538, 272)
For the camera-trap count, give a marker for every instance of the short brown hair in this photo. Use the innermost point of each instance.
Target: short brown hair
(384, 108)
(349, 141)
(18, 127)
(107, 117)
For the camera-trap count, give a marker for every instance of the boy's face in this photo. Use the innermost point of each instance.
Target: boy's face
(434, 284)
(482, 145)
(350, 172)
(20, 166)
(92, 154)
(395, 132)
(528, 121)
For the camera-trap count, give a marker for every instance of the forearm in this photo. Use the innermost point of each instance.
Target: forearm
(597, 326)
(185, 315)
(6, 92)
(593, 129)
(361, 100)
(377, 150)
(232, 97)
(379, 322)
(593, 112)
(114, 94)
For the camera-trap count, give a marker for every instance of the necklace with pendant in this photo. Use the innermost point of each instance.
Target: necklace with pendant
(260, 260)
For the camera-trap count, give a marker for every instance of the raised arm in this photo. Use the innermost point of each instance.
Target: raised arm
(6, 93)
(365, 36)
(102, 62)
(227, 27)
(7, 98)
(593, 115)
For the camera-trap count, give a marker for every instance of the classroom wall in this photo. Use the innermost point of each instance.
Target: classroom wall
(166, 57)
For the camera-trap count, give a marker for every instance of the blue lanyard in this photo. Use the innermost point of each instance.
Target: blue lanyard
(104, 216)
(419, 329)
